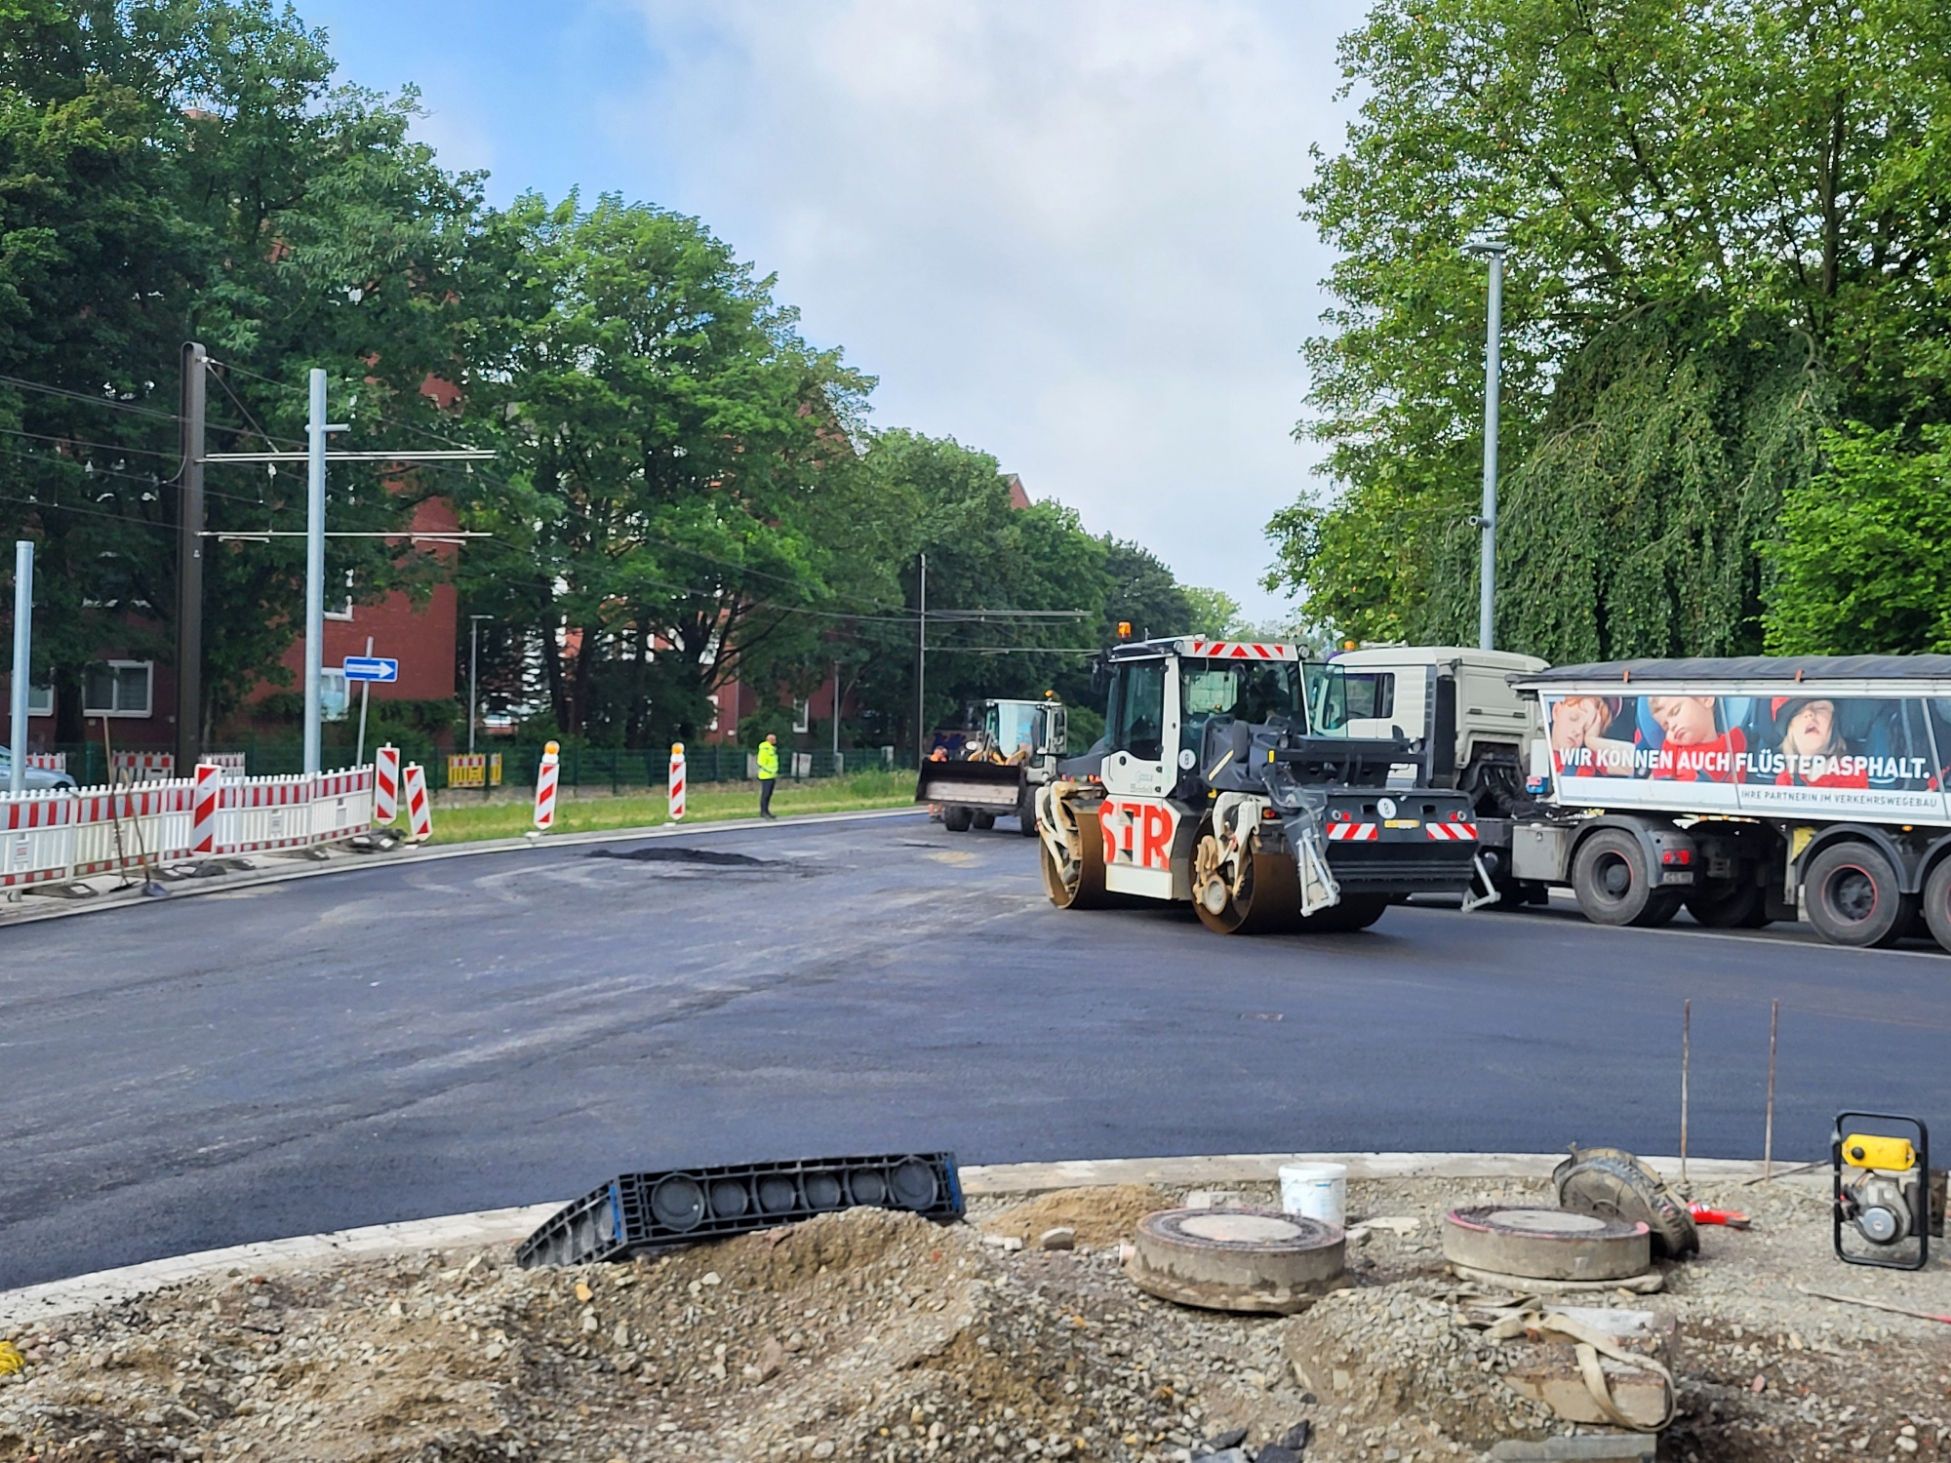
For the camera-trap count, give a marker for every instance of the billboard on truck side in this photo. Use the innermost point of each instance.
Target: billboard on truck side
(1794, 751)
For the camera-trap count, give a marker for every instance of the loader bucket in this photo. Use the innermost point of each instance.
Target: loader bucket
(990, 786)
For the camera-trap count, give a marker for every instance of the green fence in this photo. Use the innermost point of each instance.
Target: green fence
(610, 769)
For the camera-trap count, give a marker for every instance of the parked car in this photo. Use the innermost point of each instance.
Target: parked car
(39, 779)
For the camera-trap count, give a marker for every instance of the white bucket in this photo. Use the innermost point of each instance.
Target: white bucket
(1315, 1191)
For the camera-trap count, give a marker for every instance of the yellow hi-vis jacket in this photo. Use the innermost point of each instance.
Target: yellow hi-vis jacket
(768, 761)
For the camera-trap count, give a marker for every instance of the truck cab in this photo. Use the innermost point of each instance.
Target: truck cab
(1474, 727)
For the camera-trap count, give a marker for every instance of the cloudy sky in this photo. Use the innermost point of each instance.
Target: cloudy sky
(1064, 232)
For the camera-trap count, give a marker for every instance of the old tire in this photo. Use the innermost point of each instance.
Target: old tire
(1937, 903)
(1729, 907)
(957, 820)
(1614, 885)
(984, 822)
(1852, 895)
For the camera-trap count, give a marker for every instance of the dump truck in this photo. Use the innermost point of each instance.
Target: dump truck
(1743, 790)
(1013, 753)
(1227, 776)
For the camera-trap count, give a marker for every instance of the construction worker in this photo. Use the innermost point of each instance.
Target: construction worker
(768, 772)
(939, 754)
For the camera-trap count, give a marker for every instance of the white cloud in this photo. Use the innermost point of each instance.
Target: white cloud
(1064, 233)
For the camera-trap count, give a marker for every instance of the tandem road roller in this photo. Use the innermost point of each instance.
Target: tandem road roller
(1226, 776)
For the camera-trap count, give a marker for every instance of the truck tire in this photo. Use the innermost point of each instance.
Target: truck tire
(957, 820)
(1026, 813)
(1614, 885)
(1729, 906)
(1937, 902)
(1850, 890)
(985, 821)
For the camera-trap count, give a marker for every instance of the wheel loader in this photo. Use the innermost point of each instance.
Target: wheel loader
(1004, 764)
(1227, 777)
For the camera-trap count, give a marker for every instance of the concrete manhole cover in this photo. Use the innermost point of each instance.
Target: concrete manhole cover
(1229, 1228)
(1545, 1244)
(1236, 1260)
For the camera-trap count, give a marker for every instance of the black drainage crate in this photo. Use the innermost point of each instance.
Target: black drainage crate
(678, 1206)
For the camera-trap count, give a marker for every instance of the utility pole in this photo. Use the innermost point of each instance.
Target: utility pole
(473, 677)
(836, 713)
(23, 662)
(189, 564)
(317, 429)
(1493, 248)
(921, 672)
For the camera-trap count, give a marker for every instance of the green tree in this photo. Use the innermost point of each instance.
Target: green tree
(185, 168)
(1216, 614)
(1731, 212)
(1864, 544)
(677, 480)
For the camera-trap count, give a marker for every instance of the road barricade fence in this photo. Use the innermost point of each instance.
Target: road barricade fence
(58, 836)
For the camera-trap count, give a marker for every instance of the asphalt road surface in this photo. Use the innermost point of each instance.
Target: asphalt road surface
(516, 1028)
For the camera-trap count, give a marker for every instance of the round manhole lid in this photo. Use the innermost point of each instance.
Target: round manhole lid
(1545, 1244)
(1236, 1259)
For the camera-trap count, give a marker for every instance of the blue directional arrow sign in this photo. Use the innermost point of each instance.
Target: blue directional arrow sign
(371, 668)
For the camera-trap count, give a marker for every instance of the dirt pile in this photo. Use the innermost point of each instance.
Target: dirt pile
(1098, 1217)
(871, 1337)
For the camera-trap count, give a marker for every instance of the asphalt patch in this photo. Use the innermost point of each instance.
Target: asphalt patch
(659, 854)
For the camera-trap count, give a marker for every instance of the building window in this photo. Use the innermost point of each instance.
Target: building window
(713, 699)
(802, 716)
(333, 695)
(117, 688)
(39, 699)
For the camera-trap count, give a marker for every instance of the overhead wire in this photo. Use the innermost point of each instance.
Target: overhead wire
(112, 403)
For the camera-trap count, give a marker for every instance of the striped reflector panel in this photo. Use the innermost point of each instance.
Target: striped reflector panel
(1453, 832)
(1354, 832)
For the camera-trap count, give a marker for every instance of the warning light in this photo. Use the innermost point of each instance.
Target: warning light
(1351, 645)
(1124, 629)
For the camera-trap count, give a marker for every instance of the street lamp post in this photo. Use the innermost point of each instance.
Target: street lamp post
(473, 676)
(1493, 248)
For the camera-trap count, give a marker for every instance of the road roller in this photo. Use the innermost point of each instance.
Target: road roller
(1227, 776)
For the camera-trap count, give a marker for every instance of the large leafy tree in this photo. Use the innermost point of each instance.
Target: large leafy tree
(678, 473)
(1726, 228)
(173, 169)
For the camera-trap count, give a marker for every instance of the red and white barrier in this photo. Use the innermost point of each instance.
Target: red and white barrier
(386, 786)
(36, 837)
(206, 800)
(545, 787)
(677, 782)
(48, 761)
(342, 804)
(56, 836)
(125, 828)
(142, 766)
(419, 812)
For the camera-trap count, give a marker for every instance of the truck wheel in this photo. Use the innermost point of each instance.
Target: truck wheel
(1613, 884)
(985, 821)
(1937, 902)
(1853, 898)
(957, 820)
(1026, 813)
(1729, 907)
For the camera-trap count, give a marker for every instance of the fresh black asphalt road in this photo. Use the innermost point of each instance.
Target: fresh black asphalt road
(413, 1040)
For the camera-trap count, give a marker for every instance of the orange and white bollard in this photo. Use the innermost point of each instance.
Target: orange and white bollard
(677, 782)
(419, 812)
(545, 781)
(386, 786)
